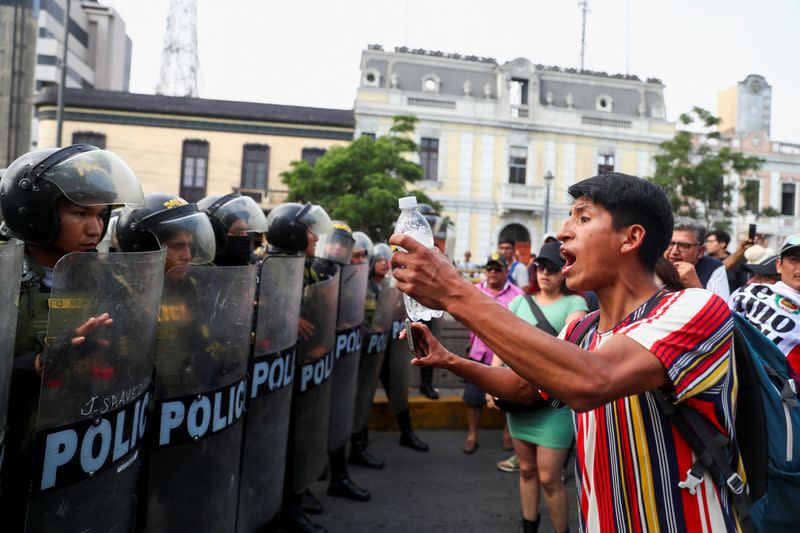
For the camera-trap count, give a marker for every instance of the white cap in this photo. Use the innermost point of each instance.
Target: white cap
(407, 201)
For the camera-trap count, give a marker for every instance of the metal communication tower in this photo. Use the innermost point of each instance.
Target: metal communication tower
(583, 5)
(179, 63)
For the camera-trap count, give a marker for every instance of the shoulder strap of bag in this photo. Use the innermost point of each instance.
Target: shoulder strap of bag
(541, 321)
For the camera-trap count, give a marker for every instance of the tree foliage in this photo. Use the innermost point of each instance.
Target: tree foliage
(360, 183)
(694, 173)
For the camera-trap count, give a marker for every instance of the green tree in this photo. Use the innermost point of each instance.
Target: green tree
(693, 173)
(361, 182)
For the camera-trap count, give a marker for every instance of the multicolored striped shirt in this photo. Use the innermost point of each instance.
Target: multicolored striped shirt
(630, 457)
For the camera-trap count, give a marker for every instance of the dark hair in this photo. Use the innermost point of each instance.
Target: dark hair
(507, 240)
(666, 272)
(721, 236)
(632, 200)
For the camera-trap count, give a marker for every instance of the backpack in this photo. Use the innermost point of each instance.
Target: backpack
(767, 429)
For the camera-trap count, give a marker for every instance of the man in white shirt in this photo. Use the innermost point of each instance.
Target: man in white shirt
(687, 252)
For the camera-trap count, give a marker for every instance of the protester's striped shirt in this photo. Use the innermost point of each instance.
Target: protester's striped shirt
(630, 458)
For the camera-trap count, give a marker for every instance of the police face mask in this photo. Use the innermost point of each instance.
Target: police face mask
(239, 250)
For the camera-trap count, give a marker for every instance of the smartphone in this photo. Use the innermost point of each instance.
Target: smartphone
(410, 337)
(751, 232)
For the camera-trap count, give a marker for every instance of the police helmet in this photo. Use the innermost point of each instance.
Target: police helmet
(163, 217)
(82, 174)
(362, 244)
(288, 223)
(338, 245)
(235, 218)
(382, 250)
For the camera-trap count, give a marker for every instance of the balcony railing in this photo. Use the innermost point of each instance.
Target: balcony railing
(521, 197)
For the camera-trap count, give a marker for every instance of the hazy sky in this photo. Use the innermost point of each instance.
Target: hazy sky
(308, 52)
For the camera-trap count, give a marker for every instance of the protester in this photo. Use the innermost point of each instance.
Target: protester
(696, 270)
(467, 263)
(775, 308)
(717, 247)
(517, 272)
(627, 450)
(501, 291)
(760, 264)
(542, 437)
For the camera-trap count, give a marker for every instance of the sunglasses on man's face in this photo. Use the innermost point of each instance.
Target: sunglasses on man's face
(494, 269)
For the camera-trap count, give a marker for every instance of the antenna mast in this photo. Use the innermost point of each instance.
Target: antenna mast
(179, 63)
(584, 7)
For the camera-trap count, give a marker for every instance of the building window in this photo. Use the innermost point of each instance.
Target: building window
(787, 199)
(429, 158)
(605, 162)
(255, 165)
(89, 137)
(194, 170)
(311, 155)
(517, 162)
(372, 78)
(604, 103)
(752, 193)
(369, 134)
(519, 92)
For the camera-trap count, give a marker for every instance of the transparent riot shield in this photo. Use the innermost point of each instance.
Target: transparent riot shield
(269, 392)
(204, 332)
(11, 254)
(376, 338)
(95, 389)
(398, 362)
(312, 388)
(352, 291)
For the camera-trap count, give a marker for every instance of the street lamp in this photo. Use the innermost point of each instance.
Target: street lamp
(548, 179)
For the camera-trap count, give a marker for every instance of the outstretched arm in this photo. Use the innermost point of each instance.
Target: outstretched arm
(583, 380)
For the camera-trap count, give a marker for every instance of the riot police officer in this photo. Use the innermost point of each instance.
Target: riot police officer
(201, 362)
(338, 247)
(293, 228)
(394, 374)
(235, 219)
(58, 201)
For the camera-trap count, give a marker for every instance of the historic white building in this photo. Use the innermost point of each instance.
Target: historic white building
(490, 133)
(746, 113)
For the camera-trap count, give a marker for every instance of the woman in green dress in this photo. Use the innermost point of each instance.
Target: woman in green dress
(543, 436)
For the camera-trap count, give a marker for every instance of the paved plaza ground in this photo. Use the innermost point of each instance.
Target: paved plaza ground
(443, 490)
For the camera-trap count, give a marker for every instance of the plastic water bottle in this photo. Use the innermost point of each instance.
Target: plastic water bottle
(412, 223)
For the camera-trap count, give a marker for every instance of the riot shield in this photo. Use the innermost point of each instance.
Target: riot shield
(352, 290)
(204, 331)
(269, 393)
(11, 254)
(376, 338)
(398, 363)
(312, 388)
(93, 401)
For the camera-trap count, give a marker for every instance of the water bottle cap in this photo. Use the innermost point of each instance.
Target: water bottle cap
(407, 201)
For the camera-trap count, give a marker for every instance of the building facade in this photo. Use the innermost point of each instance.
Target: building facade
(18, 26)
(745, 111)
(197, 147)
(489, 134)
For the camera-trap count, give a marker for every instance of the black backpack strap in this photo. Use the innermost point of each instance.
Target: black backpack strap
(541, 321)
(711, 449)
